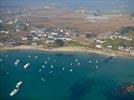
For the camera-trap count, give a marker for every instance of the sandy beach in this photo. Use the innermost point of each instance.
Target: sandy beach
(70, 49)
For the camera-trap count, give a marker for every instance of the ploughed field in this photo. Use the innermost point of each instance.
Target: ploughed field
(69, 18)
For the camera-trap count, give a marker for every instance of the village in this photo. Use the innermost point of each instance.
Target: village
(15, 30)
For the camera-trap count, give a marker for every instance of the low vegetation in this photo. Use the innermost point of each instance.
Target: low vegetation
(75, 44)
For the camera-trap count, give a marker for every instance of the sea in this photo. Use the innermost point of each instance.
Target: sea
(63, 75)
(114, 5)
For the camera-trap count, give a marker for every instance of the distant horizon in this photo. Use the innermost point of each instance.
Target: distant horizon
(91, 4)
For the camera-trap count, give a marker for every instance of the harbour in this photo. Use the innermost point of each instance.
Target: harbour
(61, 76)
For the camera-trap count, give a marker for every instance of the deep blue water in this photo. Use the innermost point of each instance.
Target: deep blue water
(62, 84)
(90, 4)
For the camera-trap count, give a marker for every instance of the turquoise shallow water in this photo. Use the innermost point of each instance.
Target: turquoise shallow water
(86, 81)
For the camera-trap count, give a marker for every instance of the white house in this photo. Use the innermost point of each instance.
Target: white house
(1, 44)
(10, 22)
(35, 38)
(61, 30)
(1, 21)
(54, 33)
(24, 38)
(99, 41)
(98, 46)
(68, 39)
(110, 46)
(120, 48)
(132, 52)
(50, 41)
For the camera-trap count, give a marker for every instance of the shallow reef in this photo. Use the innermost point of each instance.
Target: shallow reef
(124, 91)
(80, 88)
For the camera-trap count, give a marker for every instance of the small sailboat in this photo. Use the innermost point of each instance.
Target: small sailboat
(97, 66)
(76, 60)
(90, 61)
(14, 92)
(29, 56)
(71, 64)
(36, 57)
(96, 61)
(50, 72)
(45, 62)
(63, 68)
(52, 66)
(40, 70)
(71, 70)
(43, 79)
(19, 84)
(26, 65)
(78, 63)
(43, 66)
(16, 62)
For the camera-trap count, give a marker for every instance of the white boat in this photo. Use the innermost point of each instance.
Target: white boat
(16, 62)
(19, 84)
(63, 68)
(76, 59)
(78, 63)
(71, 64)
(0, 59)
(36, 57)
(45, 62)
(90, 61)
(26, 65)
(96, 66)
(52, 66)
(29, 56)
(43, 79)
(14, 92)
(50, 72)
(43, 66)
(96, 61)
(40, 70)
(71, 70)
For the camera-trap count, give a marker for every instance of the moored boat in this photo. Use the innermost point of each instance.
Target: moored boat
(19, 84)
(16, 62)
(14, 92)
(26, 65)
(71, 70)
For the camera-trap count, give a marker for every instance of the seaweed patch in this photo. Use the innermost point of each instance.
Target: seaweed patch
(123, 92)
(80, 88)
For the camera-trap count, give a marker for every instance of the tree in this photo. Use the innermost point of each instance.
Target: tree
(59, 43)
(131, 35)
(132, 14)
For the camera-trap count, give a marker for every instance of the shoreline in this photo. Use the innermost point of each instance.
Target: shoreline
(70, 49)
